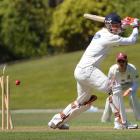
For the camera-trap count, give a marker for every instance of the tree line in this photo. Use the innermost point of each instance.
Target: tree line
(30, 28)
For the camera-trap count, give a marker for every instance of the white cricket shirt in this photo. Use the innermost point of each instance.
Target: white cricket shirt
(101, 44)
(128, 79)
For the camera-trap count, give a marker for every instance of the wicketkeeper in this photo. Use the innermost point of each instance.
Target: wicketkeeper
(89, 76)
(126, 74)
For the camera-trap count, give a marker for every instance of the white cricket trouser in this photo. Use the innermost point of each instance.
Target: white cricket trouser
(118, 108)
(116, 103)
(87, 79)
(135, 105)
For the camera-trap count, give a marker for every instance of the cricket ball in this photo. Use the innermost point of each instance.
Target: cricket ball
(17, 82)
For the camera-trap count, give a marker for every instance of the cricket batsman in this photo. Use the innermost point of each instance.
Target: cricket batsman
(126, 74)
(89, 75)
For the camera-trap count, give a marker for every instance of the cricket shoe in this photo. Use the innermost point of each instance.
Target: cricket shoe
(132, 126)
(118, 126)
(52, 125)
(62, 127)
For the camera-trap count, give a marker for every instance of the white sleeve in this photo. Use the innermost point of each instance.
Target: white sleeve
(129, 40)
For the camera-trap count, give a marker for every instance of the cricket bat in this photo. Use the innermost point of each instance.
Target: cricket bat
(94, 17)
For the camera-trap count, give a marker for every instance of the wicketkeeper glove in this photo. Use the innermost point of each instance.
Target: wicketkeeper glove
(127, 92)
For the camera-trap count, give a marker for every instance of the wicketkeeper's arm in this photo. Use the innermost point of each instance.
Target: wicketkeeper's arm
(131, 90)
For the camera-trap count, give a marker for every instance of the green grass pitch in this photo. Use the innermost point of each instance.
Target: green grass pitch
(33, 126)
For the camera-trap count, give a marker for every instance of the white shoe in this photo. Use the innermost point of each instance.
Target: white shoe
(118, 125)
(132, 126)
(64, 126)
(52, 125)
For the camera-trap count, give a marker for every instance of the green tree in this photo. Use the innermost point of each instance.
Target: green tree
(24, 27)
(69, 30)
(127, 7)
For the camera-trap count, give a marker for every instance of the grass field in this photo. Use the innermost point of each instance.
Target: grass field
(49, 82)
(33, 126)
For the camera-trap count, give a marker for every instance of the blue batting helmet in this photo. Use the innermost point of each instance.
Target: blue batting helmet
(113, 19)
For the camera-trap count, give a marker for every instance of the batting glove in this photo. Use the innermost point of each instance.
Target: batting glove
(135, 23)
(125, 24)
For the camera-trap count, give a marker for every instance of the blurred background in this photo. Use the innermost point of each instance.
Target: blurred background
(34, 28)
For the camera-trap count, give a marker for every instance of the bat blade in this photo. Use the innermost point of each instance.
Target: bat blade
(94, 17)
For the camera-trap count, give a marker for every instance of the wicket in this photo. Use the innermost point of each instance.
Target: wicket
(5, 90)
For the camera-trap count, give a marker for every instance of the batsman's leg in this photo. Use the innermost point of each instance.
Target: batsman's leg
(87, 79)
(71, 111)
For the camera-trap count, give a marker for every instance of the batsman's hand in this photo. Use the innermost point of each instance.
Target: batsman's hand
(127, 92)
(129, 21)
(126, 22)
(135, 23)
